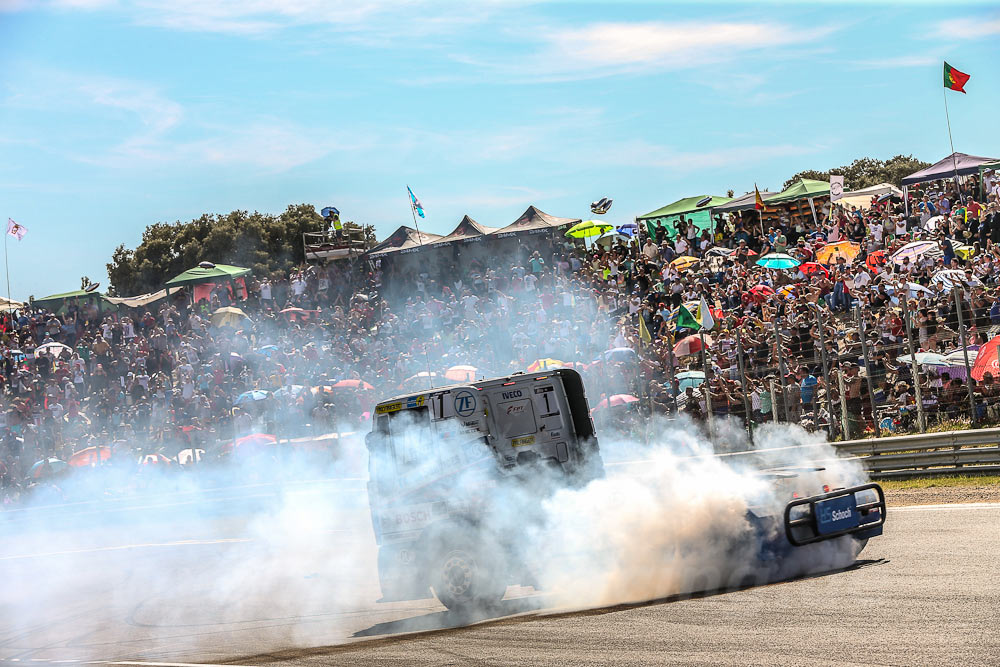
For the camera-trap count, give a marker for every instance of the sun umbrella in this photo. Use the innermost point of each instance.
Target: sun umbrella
(964, 251)
(957, 358)
(933, 222)
(53, 349)
(357, 385)
(615, 401)
(47, 468)
(987, 359)
(684, 262)
(925, 359)
(914, 290)
(544, 365)
(90, 456)
(254, 442)
(609, 238)
(252, 396)
(422, 380)
(461, 373)
(689, 379)
(289, 390)
(620, 354)
(876, 260)
(230, 316)
(268, 350)
(760, 293)
(948, 278)
(691, 345)
(778, 260)
(787, 292)
(812, 269)
(588, 228)
(916, 250)
(831, 252)
(719, 251)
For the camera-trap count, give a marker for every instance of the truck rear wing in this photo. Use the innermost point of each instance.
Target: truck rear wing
(857, 511)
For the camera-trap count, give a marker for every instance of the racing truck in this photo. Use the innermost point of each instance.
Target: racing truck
(458, 476)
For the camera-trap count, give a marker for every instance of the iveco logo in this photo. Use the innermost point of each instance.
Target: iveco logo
(511, 394)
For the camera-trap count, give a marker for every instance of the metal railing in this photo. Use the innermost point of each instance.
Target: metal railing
(950, 452)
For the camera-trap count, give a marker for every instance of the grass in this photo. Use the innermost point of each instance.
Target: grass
(939, 482)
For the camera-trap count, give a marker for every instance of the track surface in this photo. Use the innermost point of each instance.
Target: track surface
(225, 589)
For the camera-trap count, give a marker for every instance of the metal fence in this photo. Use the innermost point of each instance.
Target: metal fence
(876, 366)
(968, 451)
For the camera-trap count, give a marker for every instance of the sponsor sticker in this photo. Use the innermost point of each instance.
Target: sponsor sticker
(523, 442)
(465, 403)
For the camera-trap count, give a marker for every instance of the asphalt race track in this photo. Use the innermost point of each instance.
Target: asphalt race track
(225, 589)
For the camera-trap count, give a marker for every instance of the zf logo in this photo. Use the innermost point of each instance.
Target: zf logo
(511, 394)
(465, 403)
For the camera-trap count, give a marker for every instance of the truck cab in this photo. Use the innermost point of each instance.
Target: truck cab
(458, 473)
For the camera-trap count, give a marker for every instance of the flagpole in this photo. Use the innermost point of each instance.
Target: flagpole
(420, 241)
(6, 266)
(951, 143)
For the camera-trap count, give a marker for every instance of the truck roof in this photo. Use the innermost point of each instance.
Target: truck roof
(482, 384)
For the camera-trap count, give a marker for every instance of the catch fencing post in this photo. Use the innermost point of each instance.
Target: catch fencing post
(915, 369)
(959, 292)
(707, 385)
(781, 362)
(826, 375)
(743, 379)
(868, 369)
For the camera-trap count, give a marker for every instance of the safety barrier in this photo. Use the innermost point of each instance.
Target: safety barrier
(949, 452)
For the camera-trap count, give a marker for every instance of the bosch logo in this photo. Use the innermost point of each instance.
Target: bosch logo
(465, 403)
(511, 394)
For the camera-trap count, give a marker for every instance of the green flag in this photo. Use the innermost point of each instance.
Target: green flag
(685, 320)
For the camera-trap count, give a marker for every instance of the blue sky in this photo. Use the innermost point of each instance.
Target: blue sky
(117, 114)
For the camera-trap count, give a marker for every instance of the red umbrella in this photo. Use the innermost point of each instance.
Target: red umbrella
(360, 385)
(249, 443)
(615, 401)
(875, 260)
(760, 293)
(89, 456)
(691, 345)
(812, 268)
(987, 359)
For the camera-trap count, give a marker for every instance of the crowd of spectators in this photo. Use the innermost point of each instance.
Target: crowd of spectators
(321, 345)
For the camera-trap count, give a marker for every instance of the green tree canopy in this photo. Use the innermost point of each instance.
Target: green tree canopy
(865, 172)
(265, 243)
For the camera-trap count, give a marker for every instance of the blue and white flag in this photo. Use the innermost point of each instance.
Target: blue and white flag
(415, 203)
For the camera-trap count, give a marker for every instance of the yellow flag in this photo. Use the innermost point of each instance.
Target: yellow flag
(643, 331)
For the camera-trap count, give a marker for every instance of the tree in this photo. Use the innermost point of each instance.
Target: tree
(865, 172)
(265, 243)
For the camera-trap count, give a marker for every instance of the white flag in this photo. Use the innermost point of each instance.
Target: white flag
(705, 315)
(836, 187)
(15, 229)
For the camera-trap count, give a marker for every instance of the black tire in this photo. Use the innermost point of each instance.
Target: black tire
(468, 577)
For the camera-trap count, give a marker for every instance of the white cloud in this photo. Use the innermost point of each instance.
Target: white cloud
(968, 28)
(915, 60)
(645, 155)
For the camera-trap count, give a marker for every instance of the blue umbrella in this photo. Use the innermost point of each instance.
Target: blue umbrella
(618, 354)
(46, 467)
(689, 379)
(251, 396)
(268, 350)
(289, 390)
(778, 260)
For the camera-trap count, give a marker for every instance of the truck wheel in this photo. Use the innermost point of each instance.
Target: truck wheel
(466, 578)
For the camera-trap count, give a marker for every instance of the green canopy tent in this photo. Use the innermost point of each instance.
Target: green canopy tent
(209, 273)
(216, 273)
(688, 207)
(55, 302)
(799, 198)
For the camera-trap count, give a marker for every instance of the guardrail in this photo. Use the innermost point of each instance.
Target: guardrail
(950, 452)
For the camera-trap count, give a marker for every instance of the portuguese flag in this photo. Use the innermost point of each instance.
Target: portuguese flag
(954, 79)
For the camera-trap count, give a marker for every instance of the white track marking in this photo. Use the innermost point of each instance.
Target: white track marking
(946, 507)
